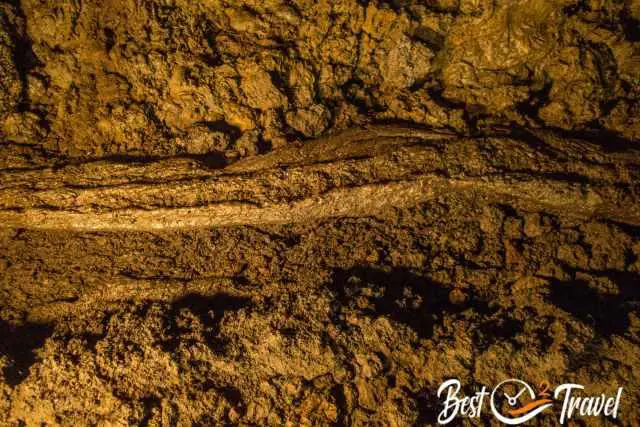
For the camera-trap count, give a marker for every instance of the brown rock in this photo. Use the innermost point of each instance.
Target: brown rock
(258, 88)
(310, 122)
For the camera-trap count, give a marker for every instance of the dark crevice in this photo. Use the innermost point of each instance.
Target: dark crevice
(150, 113)
(212, 160)
(537, 99)
(151, 404)
(532, 140)
(576, 8)
(19, 344)
(608, 141)
(23, 55)
(280, 82)
(356, 93)
(222, 126)
(606, 65)
(263, 146)
(631, 28)
(435, 91)
(344, 415)
(432, 39)
(110, 39)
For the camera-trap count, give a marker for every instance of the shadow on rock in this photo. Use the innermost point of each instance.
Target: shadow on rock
(209, 310)
(19, 345)
(607, 314)
(397, 294)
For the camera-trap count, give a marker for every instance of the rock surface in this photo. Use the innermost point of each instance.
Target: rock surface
(139, 78)
(314, 212)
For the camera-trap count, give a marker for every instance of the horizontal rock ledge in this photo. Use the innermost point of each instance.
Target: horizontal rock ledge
(357, 173)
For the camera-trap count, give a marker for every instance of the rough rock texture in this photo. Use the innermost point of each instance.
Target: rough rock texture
(314, 212)
(160, 78)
